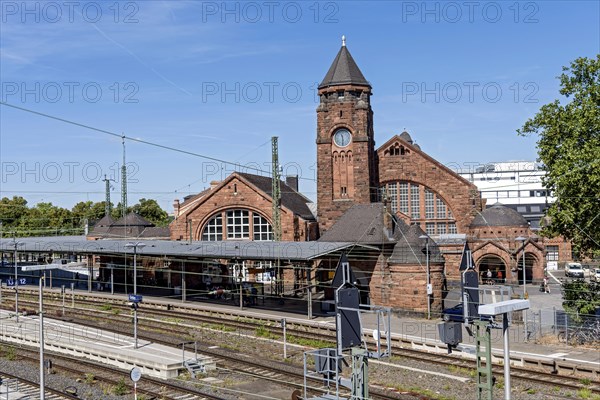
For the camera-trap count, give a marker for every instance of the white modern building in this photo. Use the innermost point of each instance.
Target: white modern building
(516, 184)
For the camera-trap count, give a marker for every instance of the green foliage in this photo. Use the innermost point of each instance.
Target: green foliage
(581, 297)
(314, 343)
(46, 219)
(120, 388)
(150, 210)
(569, 147)
(90, 378)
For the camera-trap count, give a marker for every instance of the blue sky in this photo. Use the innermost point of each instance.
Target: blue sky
(219, 79)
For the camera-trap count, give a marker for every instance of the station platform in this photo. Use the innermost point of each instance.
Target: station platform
(410, 332)
(94, 344)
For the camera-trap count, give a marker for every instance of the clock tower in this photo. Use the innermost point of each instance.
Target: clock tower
(346, 158)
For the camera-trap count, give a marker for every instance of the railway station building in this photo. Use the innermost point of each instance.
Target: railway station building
(395, 199)
(396, 212)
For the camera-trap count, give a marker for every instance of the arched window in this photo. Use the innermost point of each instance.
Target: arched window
(213, 231)
(422, 205)
(238, 224)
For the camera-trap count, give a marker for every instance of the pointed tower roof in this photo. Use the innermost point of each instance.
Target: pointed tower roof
(344, 71)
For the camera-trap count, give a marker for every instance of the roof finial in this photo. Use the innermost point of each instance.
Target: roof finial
(343, 41)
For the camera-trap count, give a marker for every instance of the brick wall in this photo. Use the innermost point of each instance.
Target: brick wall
(235, 193)
(415, 166)
(404, 287)
(353, 113)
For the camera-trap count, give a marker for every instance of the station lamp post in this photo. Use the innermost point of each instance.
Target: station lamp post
(523, 240)
(16, 245)
(428, 288)
(135, 246)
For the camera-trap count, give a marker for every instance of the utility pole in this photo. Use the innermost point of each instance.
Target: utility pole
(276, 189)
(16, 244)
(276, 199)
(42, 394)
(123, 182)
(107, 195)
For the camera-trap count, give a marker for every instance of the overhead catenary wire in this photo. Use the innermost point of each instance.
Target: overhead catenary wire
(133, 139)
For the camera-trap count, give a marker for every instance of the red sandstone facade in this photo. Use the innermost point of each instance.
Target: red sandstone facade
(235, 193)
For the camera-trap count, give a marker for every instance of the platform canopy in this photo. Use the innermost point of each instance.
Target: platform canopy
(246, 250)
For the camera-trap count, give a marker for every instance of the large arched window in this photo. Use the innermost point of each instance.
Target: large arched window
(237, 224)
(422, 205)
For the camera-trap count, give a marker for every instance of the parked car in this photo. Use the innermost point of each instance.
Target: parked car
(574, 270)
(453, 313)
(595, 275)
(456, 314)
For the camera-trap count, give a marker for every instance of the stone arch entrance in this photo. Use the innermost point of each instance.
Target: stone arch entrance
(495, 265)
(530, 261)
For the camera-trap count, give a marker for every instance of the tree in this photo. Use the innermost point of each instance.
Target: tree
(581, 297)
(46, 219)
(150, 210)
(11, 213)
(569, 147)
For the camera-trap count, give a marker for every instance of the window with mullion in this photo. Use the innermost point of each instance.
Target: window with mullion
(403, 206)
(238, 224)
(415, 202)
(262, 230)
(429, 204)
(213, 231)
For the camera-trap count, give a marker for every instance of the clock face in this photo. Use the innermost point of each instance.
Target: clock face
(342, 138)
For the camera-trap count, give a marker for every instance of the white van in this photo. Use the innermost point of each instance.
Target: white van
(574, 269)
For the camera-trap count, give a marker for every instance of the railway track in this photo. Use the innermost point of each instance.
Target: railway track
(95, 373)
(32, 389)
(173, 316)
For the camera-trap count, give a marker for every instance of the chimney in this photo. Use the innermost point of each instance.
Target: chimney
(292, 181)
(176, 208)
(214, 184)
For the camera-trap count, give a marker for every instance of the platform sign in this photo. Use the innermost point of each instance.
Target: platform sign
(135, 374)
(135, 298)
(20, 282)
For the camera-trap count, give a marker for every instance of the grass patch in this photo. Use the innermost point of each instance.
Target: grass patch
(586, 381)
(221, 327)
(462, 371)
(106, 307)
(263, 331)
(586, 393)
(318, 344)
(89, 378)
(120, 389)
(426, 392)
(11, 354)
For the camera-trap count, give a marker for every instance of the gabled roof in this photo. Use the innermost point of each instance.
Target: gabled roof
(344, 71)
(362, 223)
(290, 199)
(132, 219)
(102, 225)
(408, 142)
(107, 220)
(499, 215)
(412, 249)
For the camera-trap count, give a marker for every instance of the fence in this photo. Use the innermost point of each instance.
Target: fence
(568, 328)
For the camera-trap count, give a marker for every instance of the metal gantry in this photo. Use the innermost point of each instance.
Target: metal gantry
(124, 183)
(483, 350)
(107, 195)
(276, 200)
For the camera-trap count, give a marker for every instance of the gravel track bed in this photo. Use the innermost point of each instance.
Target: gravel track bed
(27, 370)
(422, 385)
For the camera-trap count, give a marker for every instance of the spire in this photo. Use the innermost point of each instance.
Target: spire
(344, 71)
